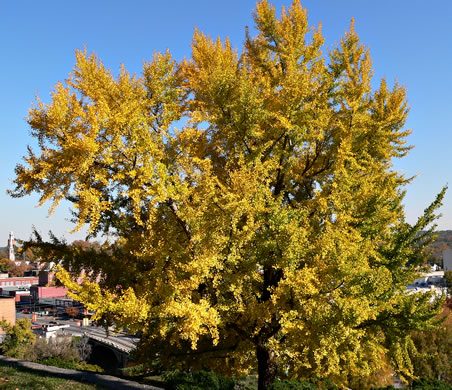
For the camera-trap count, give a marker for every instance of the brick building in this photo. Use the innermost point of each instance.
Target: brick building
(8, 309)
(24, 281)
(38, 292)
(7, 312)
(19, 295)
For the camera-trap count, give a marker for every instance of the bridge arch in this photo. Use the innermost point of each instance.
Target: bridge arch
(107, 357)
(104, 357)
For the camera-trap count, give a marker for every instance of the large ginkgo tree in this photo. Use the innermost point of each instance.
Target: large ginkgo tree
(253, 212)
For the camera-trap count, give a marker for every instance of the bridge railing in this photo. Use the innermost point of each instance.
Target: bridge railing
(109, 342)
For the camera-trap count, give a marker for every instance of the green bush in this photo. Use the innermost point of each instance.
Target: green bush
(137, 370)
(292, 384)
(178, 380)
(430, 384)
(298, 384)
(225, 383)
(71, 364)
(206, 380)
(84, 366)
(198, 380)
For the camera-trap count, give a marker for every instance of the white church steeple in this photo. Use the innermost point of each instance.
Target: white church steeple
(11, 243)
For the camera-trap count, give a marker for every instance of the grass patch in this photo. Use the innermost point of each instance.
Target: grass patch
(12, 378)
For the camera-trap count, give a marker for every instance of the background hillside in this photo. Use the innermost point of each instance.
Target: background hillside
(442, 243)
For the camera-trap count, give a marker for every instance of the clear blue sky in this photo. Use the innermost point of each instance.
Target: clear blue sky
(410, 40)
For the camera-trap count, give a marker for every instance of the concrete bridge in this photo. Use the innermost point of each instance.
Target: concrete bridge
(111, 353)
(106, 346)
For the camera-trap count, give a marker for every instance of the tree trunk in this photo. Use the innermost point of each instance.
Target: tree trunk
(266, 366)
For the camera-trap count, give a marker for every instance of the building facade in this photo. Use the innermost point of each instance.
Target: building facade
(447, 260)
(23, 281)
(7, 312)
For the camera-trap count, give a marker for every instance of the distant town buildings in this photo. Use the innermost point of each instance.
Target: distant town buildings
(429, 282)
(36, 291)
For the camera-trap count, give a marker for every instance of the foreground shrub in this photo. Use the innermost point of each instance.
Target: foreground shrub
(292, 384)
(298, 384)
(198, 380)
(71, 364)
(430, 384)
(423, 384)
(61, 347)
(18, 338)
(133, 371)
(225, 383)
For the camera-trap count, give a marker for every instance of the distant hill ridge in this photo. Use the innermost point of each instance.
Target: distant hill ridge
(442, 243)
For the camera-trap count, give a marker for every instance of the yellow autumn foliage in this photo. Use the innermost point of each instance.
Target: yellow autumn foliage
(255, 213)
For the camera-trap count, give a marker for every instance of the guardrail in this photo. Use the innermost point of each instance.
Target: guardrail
(109, 342)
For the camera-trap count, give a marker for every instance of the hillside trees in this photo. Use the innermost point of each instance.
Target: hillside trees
(267, 233)
(11, 268)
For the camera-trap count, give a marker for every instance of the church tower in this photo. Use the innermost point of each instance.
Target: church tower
(11, 243)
